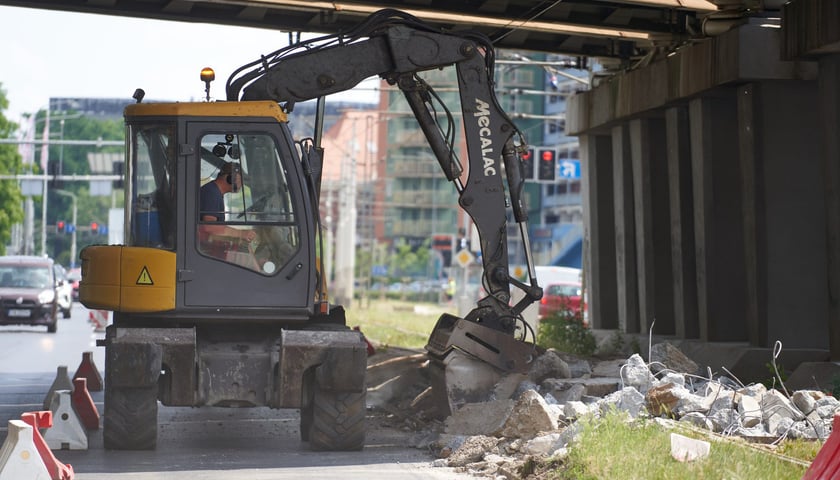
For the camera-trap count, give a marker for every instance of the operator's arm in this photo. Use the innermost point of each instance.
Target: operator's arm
(214, 229)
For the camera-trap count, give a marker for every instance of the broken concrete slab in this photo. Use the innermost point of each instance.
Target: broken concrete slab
(530, 416)
(483, 418)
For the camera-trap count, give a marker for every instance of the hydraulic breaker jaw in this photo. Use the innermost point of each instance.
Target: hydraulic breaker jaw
(467, 359)
(497, 348)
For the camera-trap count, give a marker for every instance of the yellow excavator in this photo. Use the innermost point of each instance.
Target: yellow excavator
(223, 302)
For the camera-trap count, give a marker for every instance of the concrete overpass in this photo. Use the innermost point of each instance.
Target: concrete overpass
(710, 152)
(711, 180)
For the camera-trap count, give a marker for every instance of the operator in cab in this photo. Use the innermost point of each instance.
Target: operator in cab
(215, 236)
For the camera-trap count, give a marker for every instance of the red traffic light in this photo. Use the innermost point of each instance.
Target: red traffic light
(546, 169)
(59, 226)
(94, 227)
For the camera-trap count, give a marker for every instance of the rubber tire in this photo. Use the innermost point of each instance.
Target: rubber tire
(66, 313)
(338, 421)
(130, 418)
(53, 327)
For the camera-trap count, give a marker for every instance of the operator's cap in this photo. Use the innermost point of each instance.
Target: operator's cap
(228, 168)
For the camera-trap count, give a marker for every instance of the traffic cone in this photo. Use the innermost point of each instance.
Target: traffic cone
(43, 419)
(83, 404)
(61, 382)
(826, 464)
(19, 457)
(67, 432)
(87, 369)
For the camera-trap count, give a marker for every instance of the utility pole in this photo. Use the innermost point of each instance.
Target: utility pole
(75, 227)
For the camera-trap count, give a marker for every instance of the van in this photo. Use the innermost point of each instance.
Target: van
(28, 291)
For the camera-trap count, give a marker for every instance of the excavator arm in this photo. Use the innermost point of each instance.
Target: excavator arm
(396, 46)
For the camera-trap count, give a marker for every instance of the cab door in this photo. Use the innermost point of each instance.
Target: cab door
(254, 248)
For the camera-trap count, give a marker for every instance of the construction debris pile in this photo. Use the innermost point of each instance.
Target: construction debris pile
(535, 414)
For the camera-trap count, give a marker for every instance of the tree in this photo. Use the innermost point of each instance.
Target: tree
(10, 163)
(409, 262)
(72, 160)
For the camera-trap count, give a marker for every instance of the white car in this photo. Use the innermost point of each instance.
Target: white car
(64, 291)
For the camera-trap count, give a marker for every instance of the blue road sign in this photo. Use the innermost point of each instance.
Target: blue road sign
(568, 168)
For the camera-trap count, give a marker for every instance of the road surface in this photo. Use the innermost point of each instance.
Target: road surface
(194, 444)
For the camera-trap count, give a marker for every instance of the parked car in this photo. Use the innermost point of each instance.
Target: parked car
(562, 297)
(28, 292)
(75, 276)
(65, 290)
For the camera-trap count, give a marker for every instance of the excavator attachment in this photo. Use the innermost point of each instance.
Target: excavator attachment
(468, 359)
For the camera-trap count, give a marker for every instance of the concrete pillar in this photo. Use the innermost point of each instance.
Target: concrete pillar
(625, 232)
(719, 238)
(784, 214)
(829, 104)
(653, 239)
(683, 263)
(599, 229)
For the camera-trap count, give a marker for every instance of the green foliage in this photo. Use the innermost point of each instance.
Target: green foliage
(395, 323)
(835, 386)
(564, 330)
(73, 160)
(10, 163)
(409, 262)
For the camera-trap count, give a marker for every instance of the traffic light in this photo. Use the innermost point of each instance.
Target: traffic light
(528, 164)
(59, 226)
(547, 166)
(94, 228)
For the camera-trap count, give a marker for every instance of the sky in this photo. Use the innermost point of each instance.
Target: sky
(59, 54)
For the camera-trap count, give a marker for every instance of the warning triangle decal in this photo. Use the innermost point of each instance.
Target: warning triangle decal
(145, 278)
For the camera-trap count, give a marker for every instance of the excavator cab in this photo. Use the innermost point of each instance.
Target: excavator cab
(253, 253)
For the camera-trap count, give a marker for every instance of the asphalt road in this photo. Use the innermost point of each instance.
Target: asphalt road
(193, 443)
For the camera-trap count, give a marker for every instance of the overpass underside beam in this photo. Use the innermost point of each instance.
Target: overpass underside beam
(723, 220)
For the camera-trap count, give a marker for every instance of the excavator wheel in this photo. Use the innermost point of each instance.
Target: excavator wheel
(335, 420)
(130, 418)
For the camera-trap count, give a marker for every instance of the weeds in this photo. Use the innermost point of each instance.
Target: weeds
(564, 330)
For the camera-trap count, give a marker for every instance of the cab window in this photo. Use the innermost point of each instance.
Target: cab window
(152, 210)
(245, 211)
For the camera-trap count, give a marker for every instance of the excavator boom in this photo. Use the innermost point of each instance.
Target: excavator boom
(396, 47)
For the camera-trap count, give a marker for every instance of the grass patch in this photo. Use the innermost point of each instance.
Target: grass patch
(612, 447)
(395, 323)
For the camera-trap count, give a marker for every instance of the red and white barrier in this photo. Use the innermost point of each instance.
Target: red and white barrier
(67, 432)
(99, 319)
(56, 469)
(61, 382)
(826, 464)
(83, 405)
(87, 370)
(19, 457)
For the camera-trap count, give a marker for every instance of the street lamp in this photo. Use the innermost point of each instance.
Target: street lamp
(73, 233)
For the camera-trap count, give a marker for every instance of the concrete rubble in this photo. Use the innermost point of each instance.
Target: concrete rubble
(495, 437)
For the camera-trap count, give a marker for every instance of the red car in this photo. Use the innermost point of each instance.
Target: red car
(74, 275)
(562, 296)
